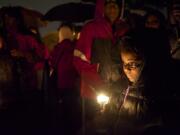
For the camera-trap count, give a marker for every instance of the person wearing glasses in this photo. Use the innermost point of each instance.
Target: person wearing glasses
(133, 106)
(143, 104)
(146, 105)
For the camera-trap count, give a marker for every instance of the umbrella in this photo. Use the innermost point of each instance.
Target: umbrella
(31, 18)
(71, 12)
(94, 1)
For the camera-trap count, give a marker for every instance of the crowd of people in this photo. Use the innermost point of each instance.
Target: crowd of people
(133, 59)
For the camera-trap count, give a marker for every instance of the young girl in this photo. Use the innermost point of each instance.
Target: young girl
(138, 113)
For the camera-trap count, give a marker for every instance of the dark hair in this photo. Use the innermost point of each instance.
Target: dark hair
(130, 44)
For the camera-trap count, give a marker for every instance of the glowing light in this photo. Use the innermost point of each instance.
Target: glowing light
(102, 99)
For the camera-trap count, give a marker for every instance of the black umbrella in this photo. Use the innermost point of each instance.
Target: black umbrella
(94, 1)
(71, 12)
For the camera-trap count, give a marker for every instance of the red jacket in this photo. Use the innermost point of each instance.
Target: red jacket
(99, 28)
(62, 57)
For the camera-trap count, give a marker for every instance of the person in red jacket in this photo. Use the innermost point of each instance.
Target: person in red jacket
(61, 60)
(106, 25)
(28, 53)
(105, 29)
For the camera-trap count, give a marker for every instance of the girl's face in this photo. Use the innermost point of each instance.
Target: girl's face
(131, 66)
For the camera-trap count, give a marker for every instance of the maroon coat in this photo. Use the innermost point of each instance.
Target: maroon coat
(62, 57)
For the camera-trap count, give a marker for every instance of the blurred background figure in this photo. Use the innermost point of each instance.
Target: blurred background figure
(67, 108)
(8, 89)
(22, 45)
(175, 27)
(28, 56)
(155, 19)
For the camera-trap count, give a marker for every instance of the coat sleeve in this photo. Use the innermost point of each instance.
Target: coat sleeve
(57, 53)
(83, 47)
(88, 71)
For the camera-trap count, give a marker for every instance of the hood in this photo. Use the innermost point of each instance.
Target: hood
(99, 11)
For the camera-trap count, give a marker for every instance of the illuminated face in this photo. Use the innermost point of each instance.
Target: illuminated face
(111, 11)
(131, 66)
(152, 22)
